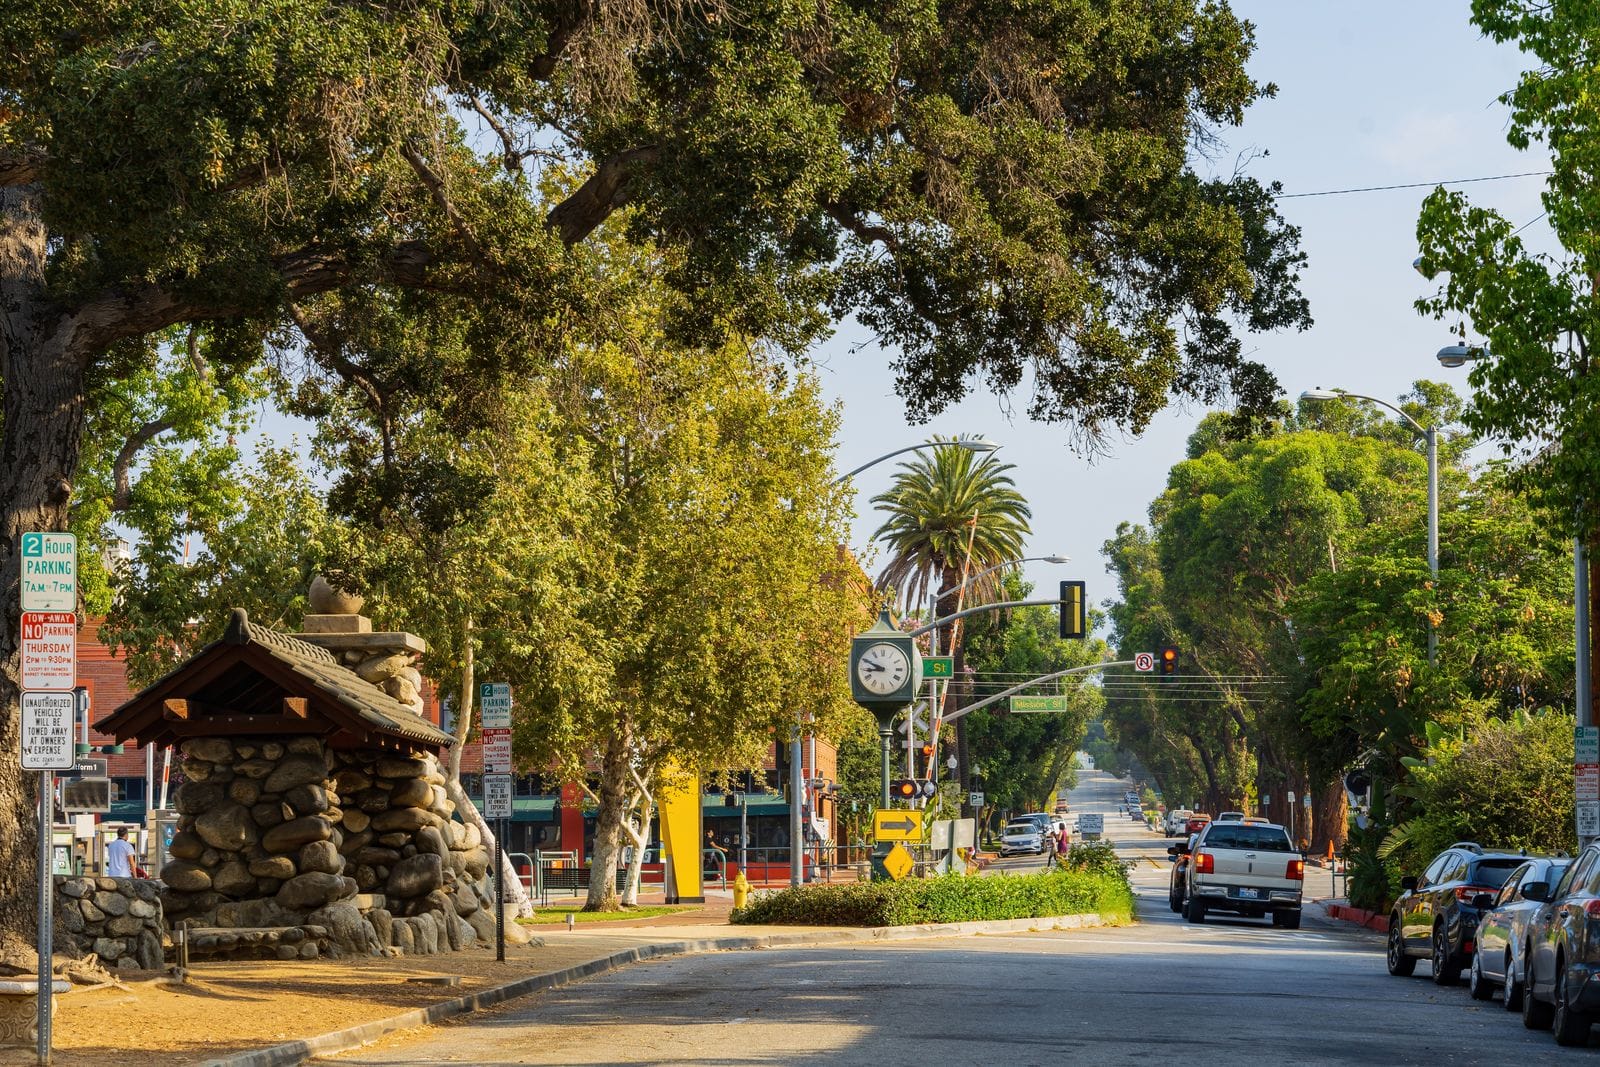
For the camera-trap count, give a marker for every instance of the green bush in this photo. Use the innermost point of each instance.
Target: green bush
(946, 899)
(1096, 857)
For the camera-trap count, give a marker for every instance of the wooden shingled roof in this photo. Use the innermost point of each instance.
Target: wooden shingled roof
(257, 681)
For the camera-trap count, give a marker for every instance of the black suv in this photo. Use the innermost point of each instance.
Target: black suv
(1435, 917)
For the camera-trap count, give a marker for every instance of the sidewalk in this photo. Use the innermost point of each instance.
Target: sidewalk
(268, 1013)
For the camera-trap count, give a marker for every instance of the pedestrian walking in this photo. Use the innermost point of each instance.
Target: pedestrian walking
(119, 856)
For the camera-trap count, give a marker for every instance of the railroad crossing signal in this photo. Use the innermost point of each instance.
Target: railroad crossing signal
(1169, 661)
(903, 789)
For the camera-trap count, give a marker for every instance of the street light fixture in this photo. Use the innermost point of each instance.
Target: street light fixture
(1461, 355)
(1431, 435)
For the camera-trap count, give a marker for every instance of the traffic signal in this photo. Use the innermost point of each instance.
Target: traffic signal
(928, 788)
(903, 789)
(1358, 780)
(1169, 661)
(1074, 611)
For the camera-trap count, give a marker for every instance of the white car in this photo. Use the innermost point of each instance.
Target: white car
(1177, 820)
(1022, 836)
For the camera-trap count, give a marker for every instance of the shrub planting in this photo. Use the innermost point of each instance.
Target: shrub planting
(946, 899)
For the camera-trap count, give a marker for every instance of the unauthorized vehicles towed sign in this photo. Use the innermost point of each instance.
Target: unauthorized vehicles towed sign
(47, 731)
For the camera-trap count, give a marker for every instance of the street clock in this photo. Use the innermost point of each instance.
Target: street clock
(885, 668)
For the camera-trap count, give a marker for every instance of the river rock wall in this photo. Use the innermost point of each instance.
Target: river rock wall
(118, 919)
(283, 832)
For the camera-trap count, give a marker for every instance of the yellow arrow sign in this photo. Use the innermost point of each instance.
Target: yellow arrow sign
(898, 862)
(897, 825)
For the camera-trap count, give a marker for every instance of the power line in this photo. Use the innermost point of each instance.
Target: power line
(1416, 185)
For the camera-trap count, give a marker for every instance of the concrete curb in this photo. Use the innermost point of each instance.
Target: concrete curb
(296, 1052)
(1370, 920)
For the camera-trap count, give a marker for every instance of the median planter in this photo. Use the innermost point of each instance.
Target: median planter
(947, 899)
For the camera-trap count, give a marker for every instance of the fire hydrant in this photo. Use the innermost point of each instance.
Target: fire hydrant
(741, 890)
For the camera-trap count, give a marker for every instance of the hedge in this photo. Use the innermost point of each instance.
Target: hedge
(946, 899)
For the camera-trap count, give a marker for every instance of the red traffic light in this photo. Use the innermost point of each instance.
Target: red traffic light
(903, 788)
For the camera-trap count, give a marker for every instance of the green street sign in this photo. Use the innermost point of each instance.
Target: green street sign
(938, 666)
(1038, 704)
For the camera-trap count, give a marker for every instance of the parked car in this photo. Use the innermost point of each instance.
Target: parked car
(1176, 819)
(1022, 836)
(1197, 822)
(1250, 870)
(1561, 956)
(1502, 932)
(1177, 889)
(1436, 917)
(1231, 816)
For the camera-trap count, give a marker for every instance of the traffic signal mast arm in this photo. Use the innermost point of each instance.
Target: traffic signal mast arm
(953, 616)
(986, 701)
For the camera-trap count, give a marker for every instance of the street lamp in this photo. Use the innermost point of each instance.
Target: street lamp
(970, 444)
(1430, 434)
(990, 570)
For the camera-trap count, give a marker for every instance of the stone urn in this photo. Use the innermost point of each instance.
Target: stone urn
(325, 599)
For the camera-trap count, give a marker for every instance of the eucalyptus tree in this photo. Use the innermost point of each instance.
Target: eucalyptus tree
(998, 198)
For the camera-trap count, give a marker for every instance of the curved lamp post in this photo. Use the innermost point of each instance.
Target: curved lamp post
(1430, 434)
(971, 444)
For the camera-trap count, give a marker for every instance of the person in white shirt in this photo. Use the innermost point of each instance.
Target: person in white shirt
(119, 856)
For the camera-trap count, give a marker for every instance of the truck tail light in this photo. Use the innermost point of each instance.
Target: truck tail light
(1296, 871)
(1203, 863)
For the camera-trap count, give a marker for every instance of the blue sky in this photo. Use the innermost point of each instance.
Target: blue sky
(1368, 94)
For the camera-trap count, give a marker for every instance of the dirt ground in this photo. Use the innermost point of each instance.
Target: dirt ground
(149, 1019)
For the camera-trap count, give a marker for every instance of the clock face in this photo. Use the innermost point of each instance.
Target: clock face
(883, 668)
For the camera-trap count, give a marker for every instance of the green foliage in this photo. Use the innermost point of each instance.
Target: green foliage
(1027, 757)
(947, 899)
(256, 547)
(1537, 395)
(1505, 784)
(1095, 857)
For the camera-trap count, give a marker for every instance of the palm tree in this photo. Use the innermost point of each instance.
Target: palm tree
(951, 512)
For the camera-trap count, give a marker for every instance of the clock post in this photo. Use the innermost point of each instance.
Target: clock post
(885, 674)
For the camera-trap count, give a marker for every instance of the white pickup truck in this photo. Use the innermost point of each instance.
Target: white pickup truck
(1252, 869)
(1177, 819)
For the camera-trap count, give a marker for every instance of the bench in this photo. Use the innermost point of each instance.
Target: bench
(576, 878)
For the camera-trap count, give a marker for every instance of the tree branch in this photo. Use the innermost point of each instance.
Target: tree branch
(607, 189)
(861, 228)
(21, 165)
(510, 155)
(121, 490)
(441, 197)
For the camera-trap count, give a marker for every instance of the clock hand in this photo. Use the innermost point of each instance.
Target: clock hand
(871, 666)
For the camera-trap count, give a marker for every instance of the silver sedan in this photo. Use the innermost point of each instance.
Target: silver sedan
(1502, 932)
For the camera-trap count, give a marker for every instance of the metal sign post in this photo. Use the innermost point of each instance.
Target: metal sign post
(46, 947)
(499, 891)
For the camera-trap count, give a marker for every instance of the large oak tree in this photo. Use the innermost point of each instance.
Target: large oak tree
(1003, 193)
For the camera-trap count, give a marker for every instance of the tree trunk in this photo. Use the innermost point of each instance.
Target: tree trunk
(641, 841)
(516, 894)
(42, 368)
(614, 789)
(1329, 818)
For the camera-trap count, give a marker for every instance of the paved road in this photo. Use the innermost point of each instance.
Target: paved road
(1239, 992)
